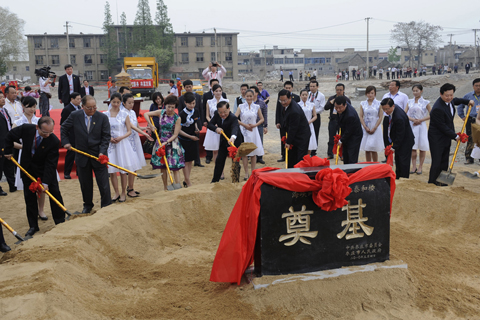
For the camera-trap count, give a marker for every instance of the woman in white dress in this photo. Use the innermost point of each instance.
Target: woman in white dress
(120, 151)
(418, 111)
(247, 114)
(371, 116)
(134, 140)
(311, 114)
(212, 139)
(29, 108)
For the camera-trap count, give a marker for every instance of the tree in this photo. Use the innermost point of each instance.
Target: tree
(163, 56)
(417, 37)
(392, 55)
(12, 41)
(109, 47)
(165, 28)
(143, 29)
(126, 41)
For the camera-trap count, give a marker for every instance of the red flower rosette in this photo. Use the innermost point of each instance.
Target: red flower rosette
(161, 152)
(284, 141)
(337, 138)
(334, 189)
(463, 137)
(103, 159)
(309, 161)
(36, 187)
(389, 154)
(232, 153)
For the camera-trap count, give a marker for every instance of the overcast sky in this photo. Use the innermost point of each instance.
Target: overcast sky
(320, 25)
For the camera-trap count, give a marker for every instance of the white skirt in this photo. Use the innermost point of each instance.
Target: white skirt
(136, 144)
(475, 152)
(253, 137)
(122, 155)
(312, 144)
(421, 137)
(372, 142)
(212, 141)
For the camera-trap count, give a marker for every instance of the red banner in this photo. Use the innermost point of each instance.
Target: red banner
(142, 83)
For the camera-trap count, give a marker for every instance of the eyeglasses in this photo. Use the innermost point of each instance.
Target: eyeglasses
(283, 101)
(90, 108)
(45, 133)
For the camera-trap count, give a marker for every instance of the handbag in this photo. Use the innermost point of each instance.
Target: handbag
(148, 146)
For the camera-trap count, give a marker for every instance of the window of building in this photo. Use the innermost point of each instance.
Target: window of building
(288, 60)
(322, 60)
(416, 58)
(328, 60)
(278, 60)
(228, 41)
(102, 41)
(71, 42)
(200, 57)
(27, 68)
(54, 43)
(184, 57)
(14, 68)
(370, 59)
(337, 60)
(184, 41)
(55, 59)
(199, 41)
(308, 60)
(38, 42)
(103, 58)
(228, 56)
(431, 54)
(316, 60)
(407, 58)
(213, 57)
(88, 75)
(39, 59)
(299, 60)
(257, 62)
(212, 41)
(88, 59)
(87, 42)
(73, 59)
(103, 75)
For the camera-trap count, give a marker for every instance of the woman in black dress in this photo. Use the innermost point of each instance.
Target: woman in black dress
(189, 135)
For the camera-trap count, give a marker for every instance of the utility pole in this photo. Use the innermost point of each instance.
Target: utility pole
(475, 46)
(214, 29)
(68, 42)
(368, 56)
(450, 54)
(265, 56)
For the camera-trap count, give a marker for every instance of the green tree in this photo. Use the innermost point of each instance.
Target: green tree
(126, 41)
(392, 55)
(12, 41)
(110, 43)
(163, 56)
(165, 28)
(143, 29)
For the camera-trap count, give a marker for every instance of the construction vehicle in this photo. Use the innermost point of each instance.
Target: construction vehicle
(143, 73)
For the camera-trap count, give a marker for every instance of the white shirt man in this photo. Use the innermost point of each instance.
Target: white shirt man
(316, 97)
(13, 107)
(399, 98)
(44, 84)
(211, 72)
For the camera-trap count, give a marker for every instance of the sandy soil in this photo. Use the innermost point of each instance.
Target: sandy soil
(150, 258)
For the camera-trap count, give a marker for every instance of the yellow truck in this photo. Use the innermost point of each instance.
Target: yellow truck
(143, 73)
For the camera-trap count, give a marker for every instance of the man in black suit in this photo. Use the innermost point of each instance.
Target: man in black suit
(67, 84)
(351, 129)
(400, 135)
(6, 167)
(188, 86)
(288, 85)
(333, 119)
(208, 96)
(224, 120)
(92, 135)
(75, 101)
(39, 158)
(86, 90)
(296, 127)
(441, 130)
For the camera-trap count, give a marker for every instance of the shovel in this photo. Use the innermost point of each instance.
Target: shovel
(286, 151)
(12, 231)
(469, 175)
(46, 191)
(150, 176)
(173, 186)
(242, 151)
(447, 177)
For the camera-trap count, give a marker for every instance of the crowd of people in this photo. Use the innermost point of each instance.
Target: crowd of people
(177, 122)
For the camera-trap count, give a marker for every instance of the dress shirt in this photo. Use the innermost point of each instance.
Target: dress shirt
(475, 109)
(43, 87)
(14, 109)
(400, 99)
(70, 82)
(318, 99)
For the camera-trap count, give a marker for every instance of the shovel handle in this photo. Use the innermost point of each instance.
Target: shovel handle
(34, 180)
(228, 140)
(109, 163)
(338, 148)
(458, 142)
(164, 157)
(286, 151)
(7, 226)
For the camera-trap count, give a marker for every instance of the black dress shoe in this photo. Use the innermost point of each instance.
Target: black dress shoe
(384, 161)
(4, 247)
(3, 193)
(200, 165)
(469, 162)
(86, 210)
(207, 161)
(281, 160)
(260, 161)
(43, 218)
(67, 176)
(13, 189)
(31, 231)
(330, 157)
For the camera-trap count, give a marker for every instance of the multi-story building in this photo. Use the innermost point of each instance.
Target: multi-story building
(192, 53)
(17, 70)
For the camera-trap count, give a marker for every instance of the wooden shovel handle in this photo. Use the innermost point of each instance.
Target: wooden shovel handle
(160, 145)
(109, 163)
(458, 142)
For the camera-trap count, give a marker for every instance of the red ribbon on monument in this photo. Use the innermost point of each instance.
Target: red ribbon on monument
(329, 190)
(389, 154)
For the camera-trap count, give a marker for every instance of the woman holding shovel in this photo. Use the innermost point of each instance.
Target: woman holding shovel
(170, 126)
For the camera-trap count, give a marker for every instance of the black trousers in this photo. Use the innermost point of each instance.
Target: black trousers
(440, 154)
(385, 132)
(86, 183)
(69, 159)
(220, 161)
(282, 146)
(316, 128)
(470, 144)
(209, 155)
(8, 168)
(32, 205)
(44, 104)
(2, 239)
(350, 153)
(332, 131)
(402, 162)
(296, 154)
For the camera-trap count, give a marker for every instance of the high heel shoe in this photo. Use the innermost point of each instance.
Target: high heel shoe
(185, 184)
(43, 218)
(128, 191)
(116, 199)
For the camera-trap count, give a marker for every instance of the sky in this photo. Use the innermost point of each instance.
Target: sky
(308, 24)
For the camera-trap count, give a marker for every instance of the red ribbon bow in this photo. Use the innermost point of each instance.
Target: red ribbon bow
(389, 154)
(463, 137)
(334, 189)
(36, 187)
(309, 161)
(284, 141)
(161, 151)
(103, 159)
(232, 153)
(335, 145)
